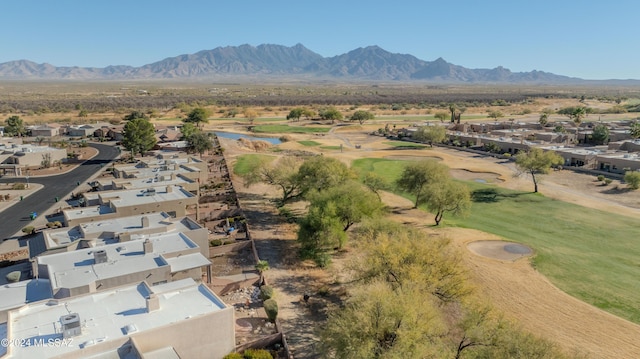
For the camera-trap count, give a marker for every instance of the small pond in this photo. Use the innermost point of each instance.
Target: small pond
(236, 136)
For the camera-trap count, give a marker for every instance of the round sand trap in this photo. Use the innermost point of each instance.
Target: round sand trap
(481, 177)
(501, 250)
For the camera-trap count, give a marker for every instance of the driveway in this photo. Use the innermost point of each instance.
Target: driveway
(16, 217)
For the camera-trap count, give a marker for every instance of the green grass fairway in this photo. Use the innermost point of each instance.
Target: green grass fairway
(270, 119)
(404, 144)
(590, 254)
(388, 169)
(403, 118)
(289, 129)
(309, 143)
(245, 162)
(332, 148)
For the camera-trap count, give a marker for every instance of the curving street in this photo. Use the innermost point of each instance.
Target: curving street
(16, 217)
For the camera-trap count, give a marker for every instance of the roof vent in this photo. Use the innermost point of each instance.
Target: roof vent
(130, 328)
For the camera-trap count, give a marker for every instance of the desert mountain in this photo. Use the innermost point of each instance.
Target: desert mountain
(267, 61)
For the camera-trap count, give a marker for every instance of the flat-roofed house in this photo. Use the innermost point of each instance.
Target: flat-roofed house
(30, 156)
(154, 259)
(115, 230)
(170, 199)
(181, 319)
(48, 130)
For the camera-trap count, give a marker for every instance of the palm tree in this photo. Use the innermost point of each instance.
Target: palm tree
(452, 109)
(578, 114)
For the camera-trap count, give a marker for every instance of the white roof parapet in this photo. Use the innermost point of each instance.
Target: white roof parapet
(112, 315)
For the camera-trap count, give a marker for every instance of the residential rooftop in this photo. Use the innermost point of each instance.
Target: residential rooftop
(101, 203)
(24, 148)
(152, 194)
(80, 267)
(113, 315)
(107, 231)
(137, 183)
(87, 212)
(17, 294)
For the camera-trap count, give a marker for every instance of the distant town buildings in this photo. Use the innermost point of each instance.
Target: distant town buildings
(574, 144)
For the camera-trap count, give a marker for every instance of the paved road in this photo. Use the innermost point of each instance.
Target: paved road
(16, 217)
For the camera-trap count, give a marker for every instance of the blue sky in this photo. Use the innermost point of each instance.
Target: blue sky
(586, 39)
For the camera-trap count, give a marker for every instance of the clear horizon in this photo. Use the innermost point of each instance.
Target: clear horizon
(587, 40)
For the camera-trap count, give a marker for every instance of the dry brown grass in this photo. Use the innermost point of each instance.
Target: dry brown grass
(60, 101)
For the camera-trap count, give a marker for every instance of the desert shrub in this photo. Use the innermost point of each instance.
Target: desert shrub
(18, 186)
(600, 178)
(233, 356)
(260, 146)
(215, 242)
(257, 354)
(323, 291)
(50, 225)
(607, 181)
(29, 230)
(13, 277)
(632, 179)
(506, 154)
(266, 292)
(288, 214)
(322, 259)
(285, 138)
(271, 308)
(491, 147)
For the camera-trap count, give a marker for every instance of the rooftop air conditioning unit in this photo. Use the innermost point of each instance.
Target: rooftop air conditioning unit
(100, 256)
(70, 325)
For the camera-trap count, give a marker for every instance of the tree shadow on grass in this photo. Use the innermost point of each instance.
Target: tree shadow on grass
(488, 195)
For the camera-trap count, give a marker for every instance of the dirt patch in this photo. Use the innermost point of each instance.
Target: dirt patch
(505, 251)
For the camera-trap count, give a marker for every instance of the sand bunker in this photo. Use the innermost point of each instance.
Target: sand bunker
(482, 177)
(506, 251)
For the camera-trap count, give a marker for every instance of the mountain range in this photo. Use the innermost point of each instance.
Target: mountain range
(277, 62)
